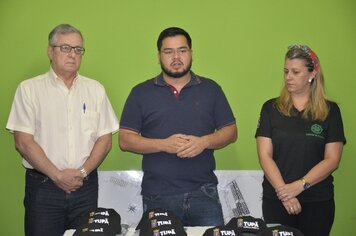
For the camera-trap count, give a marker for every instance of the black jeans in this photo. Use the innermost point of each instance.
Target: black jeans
(49, 211)
(316, 218)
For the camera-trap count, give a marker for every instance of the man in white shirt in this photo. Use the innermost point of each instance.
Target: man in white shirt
(63, 124)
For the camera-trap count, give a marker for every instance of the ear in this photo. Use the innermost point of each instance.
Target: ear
(312, 76)
(158, 58)
(50, 52)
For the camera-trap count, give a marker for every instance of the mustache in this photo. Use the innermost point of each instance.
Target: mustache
(176, 61)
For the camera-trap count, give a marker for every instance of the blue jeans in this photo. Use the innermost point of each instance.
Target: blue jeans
(200, 207)
(49, 211)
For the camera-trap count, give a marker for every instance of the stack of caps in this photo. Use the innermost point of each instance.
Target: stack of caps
(281, 230)
(159, 222)
(247, 225)
(99, 221)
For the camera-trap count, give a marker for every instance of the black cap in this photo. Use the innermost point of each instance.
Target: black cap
(281, 230)
(158, 222)
(94, 229)
(220, 231)
(100, 221)
(247, 224)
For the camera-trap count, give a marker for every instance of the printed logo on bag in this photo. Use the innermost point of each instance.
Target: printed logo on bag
(216, 232)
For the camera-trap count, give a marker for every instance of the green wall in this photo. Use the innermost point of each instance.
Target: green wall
(238, 43)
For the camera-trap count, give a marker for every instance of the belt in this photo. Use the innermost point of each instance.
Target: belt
(34, 171)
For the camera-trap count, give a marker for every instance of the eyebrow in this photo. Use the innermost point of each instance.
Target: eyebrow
(183, 47)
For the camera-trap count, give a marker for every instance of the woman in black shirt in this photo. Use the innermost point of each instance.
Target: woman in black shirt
(300, 138)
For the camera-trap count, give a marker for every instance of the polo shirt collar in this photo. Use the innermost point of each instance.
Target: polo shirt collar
(194, 80)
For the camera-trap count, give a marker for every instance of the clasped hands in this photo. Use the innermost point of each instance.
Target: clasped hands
(287, 194)
(185, 146)
(69, 180)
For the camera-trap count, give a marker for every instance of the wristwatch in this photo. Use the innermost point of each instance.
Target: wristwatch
(83, 171)
(306, 185)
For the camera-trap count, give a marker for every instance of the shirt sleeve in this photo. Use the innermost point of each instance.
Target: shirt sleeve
(264, 122)
(22, 114)
(131, 117)
(335, 132)
(223, 113)
(108, 122)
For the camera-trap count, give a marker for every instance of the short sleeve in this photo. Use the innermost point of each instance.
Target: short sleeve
(264, 121)
(108, 122)
(22, 115)
(335, 131)
(223, 113)
(131, 117)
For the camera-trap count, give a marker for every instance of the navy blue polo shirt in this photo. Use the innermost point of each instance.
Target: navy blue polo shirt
(153, 110)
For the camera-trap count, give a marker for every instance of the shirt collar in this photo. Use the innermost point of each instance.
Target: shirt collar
(194, 80)
(57, 81)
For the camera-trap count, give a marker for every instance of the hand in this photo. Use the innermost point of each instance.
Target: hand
(174, 142)
(193, 147)
(69, 180)
(292, 206)
(289, 191)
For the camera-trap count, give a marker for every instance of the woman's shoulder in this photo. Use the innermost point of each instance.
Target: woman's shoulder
(270, 102)
(331, 103)
(333, 107)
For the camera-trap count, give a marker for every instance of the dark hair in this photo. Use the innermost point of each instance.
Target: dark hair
(171, 32)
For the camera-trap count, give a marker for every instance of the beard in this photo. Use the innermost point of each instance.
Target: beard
(177, 74)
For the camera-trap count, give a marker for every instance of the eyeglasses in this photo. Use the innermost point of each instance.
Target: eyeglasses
(67, 49)
(179, 51)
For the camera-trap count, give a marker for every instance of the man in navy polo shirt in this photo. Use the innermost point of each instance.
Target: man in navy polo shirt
(176, 120)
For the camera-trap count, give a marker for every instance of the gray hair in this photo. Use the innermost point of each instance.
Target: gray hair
(62, 29)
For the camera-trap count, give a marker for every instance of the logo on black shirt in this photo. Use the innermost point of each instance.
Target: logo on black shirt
(316, 130)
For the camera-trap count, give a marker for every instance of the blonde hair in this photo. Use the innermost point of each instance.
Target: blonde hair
(317, 107)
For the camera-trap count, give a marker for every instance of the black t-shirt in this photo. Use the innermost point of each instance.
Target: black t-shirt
(299, 145)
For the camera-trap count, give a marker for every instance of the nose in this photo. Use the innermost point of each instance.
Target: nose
(176, 54)
(71, 53)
